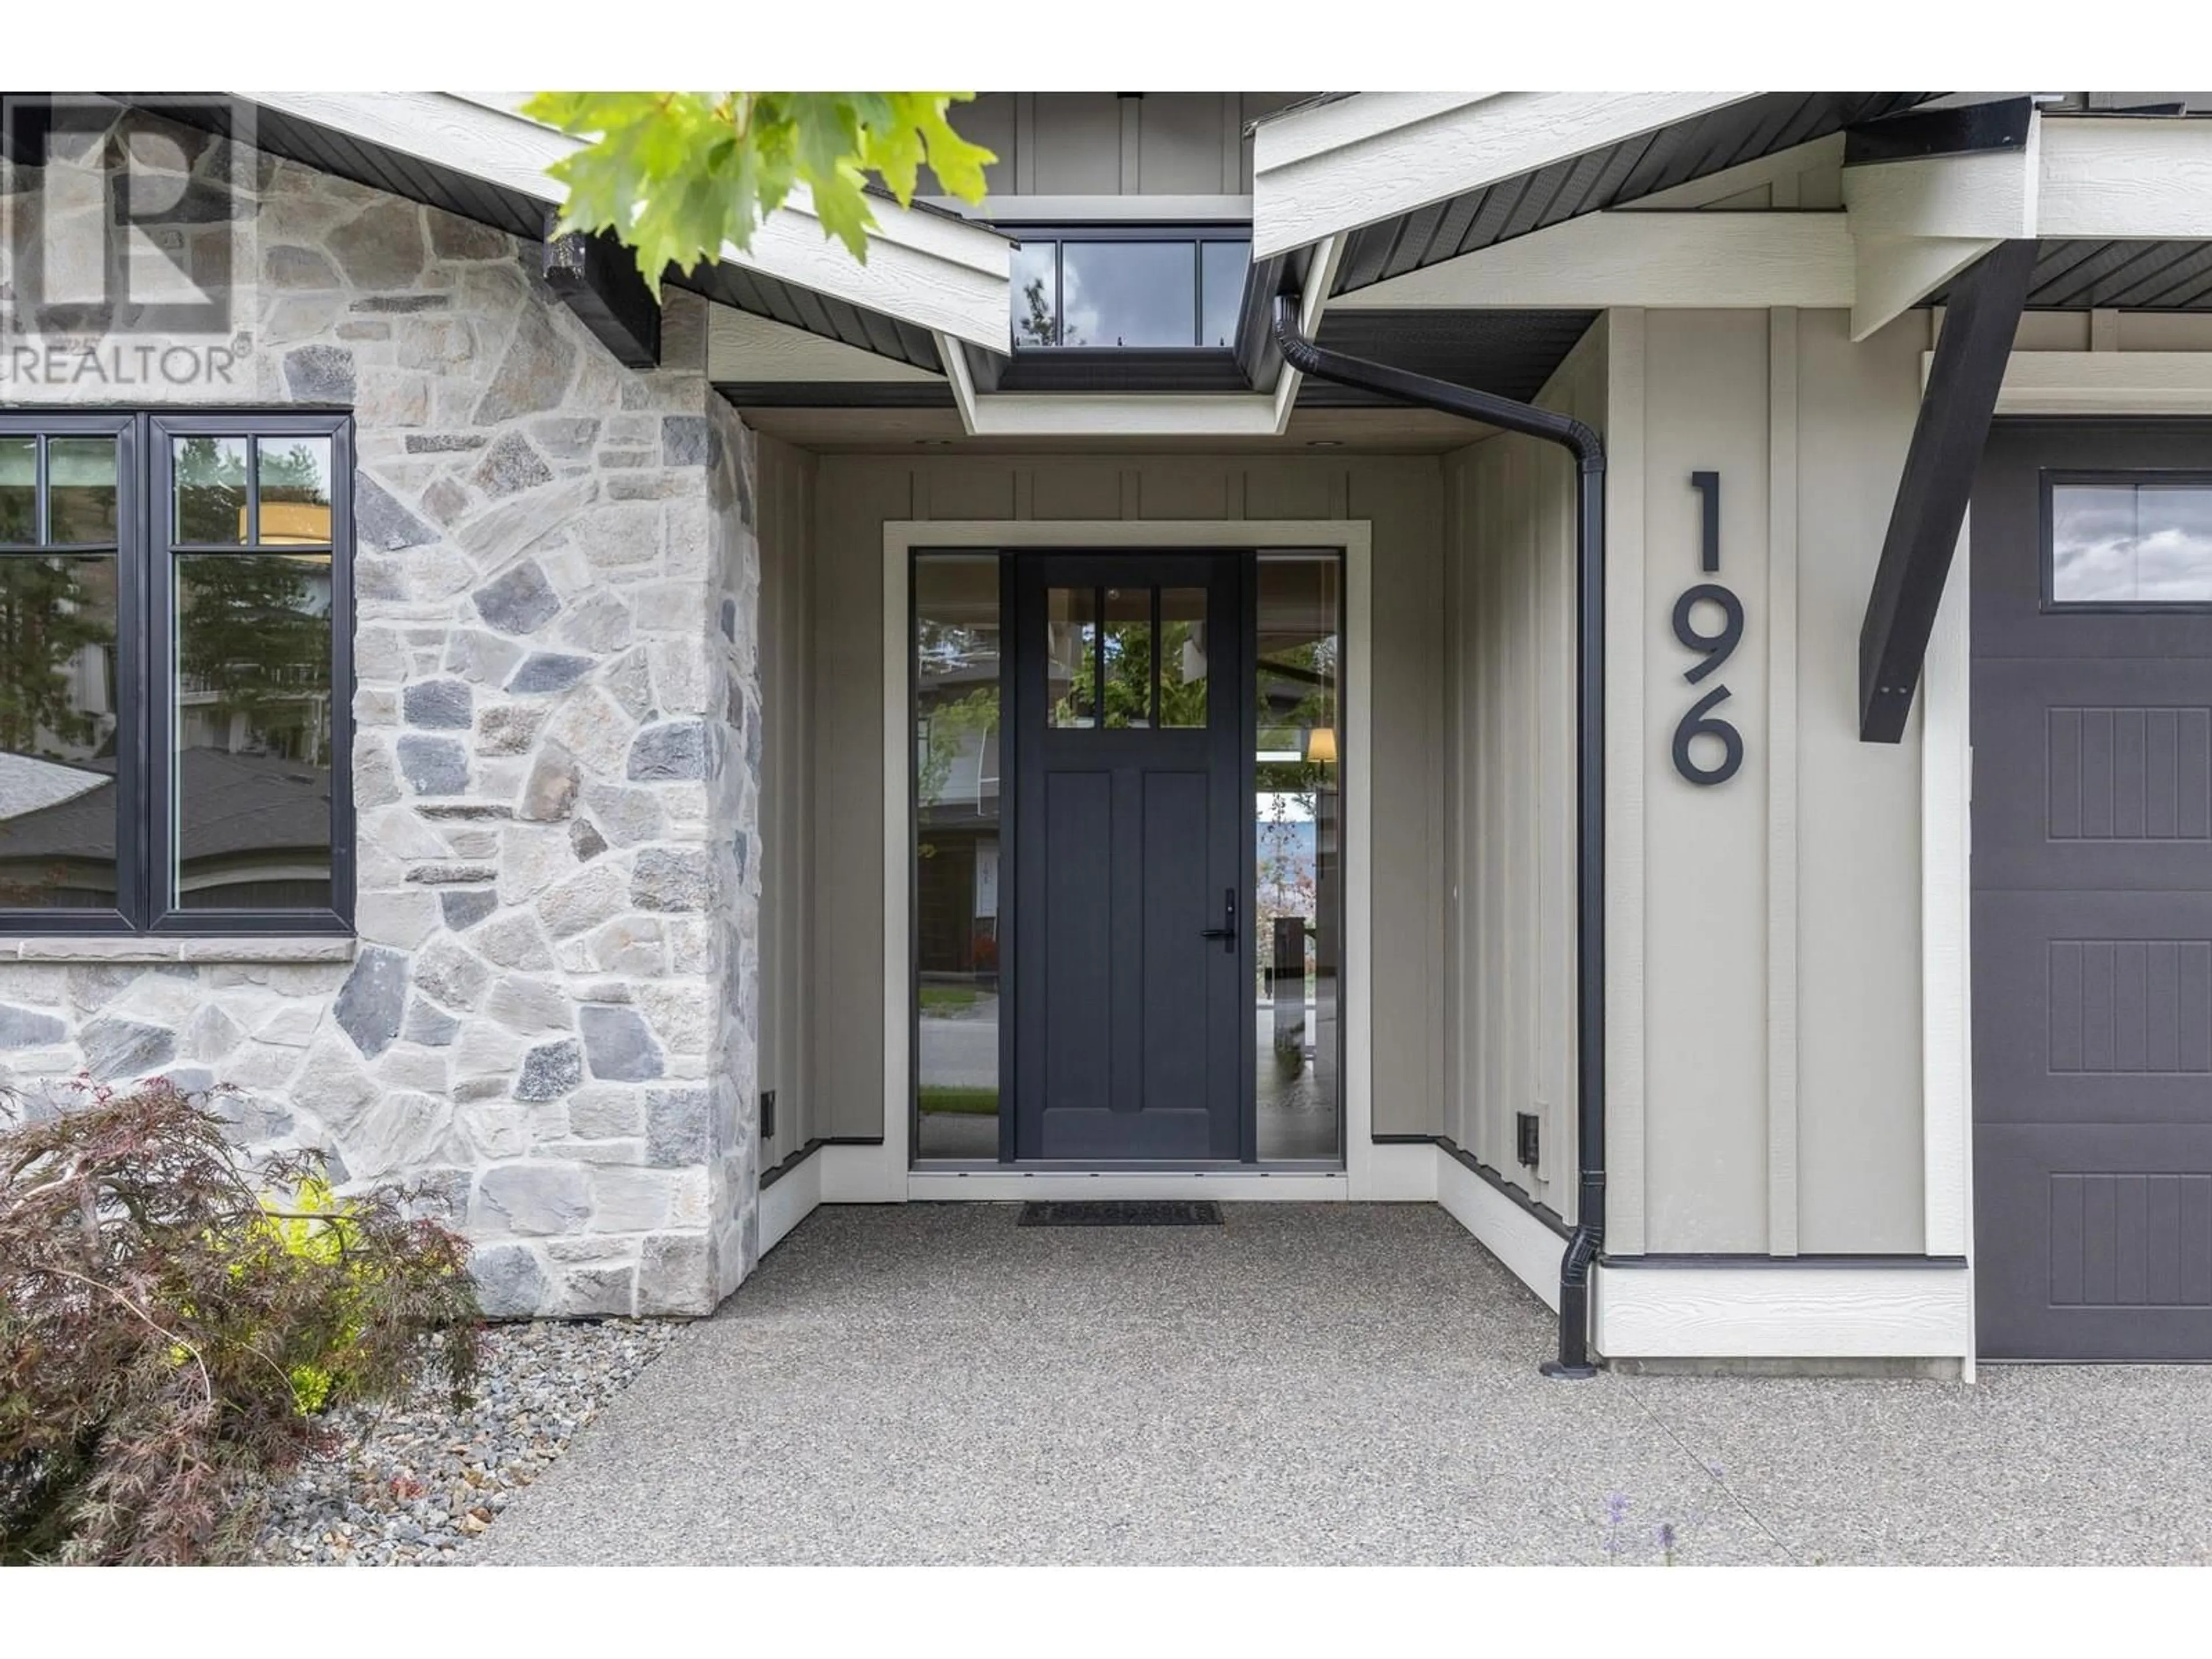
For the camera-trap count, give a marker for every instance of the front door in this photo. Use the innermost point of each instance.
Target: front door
(2092, 627)
(1133, 1021)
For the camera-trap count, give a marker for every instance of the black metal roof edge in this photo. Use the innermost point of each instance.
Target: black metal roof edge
(835, 394)
(326, 149)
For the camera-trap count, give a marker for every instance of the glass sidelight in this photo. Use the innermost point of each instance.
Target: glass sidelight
(955, 869)
(1299, 867)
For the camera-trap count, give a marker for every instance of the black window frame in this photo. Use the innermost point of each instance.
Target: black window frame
(2052, 479)
(1172, 232)
(146, 679)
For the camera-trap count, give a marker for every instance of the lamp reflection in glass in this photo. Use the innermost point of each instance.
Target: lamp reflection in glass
(1321, 746)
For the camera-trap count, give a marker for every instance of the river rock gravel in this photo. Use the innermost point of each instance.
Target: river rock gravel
(413, 1483)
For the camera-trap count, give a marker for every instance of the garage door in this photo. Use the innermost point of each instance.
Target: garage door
(2092, 549)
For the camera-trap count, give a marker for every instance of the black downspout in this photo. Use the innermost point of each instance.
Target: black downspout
(1322, 364)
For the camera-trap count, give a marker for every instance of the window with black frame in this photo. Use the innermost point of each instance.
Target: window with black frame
(175, 677)
(1158, 287)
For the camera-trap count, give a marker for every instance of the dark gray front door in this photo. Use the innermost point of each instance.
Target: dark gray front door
(1132, 1010)
(2092, 727)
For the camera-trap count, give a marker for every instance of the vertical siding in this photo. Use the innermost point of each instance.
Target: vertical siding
(855, 495)
(1099, 143)
(785, 508)
(1507, 739)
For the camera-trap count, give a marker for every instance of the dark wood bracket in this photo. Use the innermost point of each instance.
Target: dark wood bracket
(597, 278)
(1919, 134)
(1979, 319)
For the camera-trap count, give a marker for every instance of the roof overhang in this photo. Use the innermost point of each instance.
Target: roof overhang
(928, 270)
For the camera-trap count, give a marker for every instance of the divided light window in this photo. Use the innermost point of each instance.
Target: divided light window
(1130, 286)
(175, 621)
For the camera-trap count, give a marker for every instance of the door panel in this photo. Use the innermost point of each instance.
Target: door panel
(2091, 925)
(1131, 841)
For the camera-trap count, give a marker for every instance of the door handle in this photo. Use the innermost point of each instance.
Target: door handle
(1227, 932)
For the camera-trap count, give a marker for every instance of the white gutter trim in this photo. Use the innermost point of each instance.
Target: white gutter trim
(935, 272)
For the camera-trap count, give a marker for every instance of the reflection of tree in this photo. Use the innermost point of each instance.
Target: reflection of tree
(210, 489)
(1042, 326)
(253, 638)
(1288, 870)
(46, 619)
(949, 726)
(1128, 700)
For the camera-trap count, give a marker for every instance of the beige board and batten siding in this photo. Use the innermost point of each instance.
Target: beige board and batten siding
(1190, 144)
(1768, 966)
(1509, 756)
(786, 510)
(856, 494)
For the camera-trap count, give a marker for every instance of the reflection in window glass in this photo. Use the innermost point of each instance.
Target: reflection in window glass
(1128, 652)
(1129, 293)
(1035, 270)
(57, 732)
(81, 491)
(19, 489)
(294, 475)
(956, 747)
(253, 730)
(2122, 544)
(1182, 656)
(1299, 828)
(212, 490)
(1221, 291)
(1071, 663)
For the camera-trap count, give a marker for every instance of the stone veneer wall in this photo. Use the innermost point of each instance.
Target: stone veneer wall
(552, 1013)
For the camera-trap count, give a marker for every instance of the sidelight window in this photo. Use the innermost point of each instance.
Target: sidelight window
(173, 674)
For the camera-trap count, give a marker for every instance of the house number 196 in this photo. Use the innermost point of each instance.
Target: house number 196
(1715, 647)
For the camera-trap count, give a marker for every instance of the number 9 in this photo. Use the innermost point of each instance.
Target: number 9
(1717, 647)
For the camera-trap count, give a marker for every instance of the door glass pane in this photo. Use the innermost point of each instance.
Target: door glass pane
(253, 730)
(1182, 656)
(57, 729)
(2120, 543)
(211, 490)
(956, 909)
(1221, 291)
(1071, 655)
(81, 490)
(1034, 295)
(1129, 294)
(1128, 632)
(1298, 826)
(19, 489)
(295, 491)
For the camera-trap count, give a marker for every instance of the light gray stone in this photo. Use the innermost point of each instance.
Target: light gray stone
(535, 1198)
(452, 875)
(676, 1127)
(683, 441)
(550, 793)
(548, 670)
(550, 1071)
(598, 622)
(625, 816)
(371, 1001)
(673, 750)
(674, 1274)
(586, 840)
(527, 1005)
(250, 1118)
(451, 974)
(520, 602)
(380, 246)
(116, 1047)
(591, 1291)
(442, 705)
(452, 237)
(429, 1024)
(434, 766)
(508, 730)
(509, 467)
(603, 1114)
(533, 374)
(27, 1028)
(672, 878)
(510, 1282)
(319, 375)
(566, 437)
(617, 1044)
(514, 941)
(583, 902)
(381, 522)
(289, 267)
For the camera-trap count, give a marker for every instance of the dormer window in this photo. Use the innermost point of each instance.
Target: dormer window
(1133, 286)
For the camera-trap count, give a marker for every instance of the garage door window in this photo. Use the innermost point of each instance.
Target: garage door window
(2127, 541)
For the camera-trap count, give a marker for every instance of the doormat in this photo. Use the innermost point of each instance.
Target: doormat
(1122, 1213)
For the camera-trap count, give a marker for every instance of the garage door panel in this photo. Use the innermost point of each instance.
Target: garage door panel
(2092, 910)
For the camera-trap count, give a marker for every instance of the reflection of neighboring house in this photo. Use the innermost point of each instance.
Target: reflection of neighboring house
(957, 916)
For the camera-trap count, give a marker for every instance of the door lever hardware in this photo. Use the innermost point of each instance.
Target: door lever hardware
(1227, 932)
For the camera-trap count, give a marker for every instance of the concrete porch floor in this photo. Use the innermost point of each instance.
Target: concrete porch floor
(1310, 1383)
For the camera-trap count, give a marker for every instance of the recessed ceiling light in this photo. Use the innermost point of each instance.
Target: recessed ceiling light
(1324, 443)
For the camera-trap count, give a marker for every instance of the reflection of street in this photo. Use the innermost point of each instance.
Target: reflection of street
(960, 1046)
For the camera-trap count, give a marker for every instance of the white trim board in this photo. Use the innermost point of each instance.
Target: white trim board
(790, 1199)
(1793, 1310)
(1527, 1249)
(924, 268)
(2102, 382)
(880, 1173)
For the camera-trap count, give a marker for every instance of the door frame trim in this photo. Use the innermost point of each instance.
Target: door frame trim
(882, 1173)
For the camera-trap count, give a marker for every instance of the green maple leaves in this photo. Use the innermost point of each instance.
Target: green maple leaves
(679, 175)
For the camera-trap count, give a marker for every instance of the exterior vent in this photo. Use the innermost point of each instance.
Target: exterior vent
(1527, 1137)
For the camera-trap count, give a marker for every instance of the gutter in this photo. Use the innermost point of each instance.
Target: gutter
(1318, 362)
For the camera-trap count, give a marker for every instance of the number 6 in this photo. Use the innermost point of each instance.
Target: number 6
(1695, 724)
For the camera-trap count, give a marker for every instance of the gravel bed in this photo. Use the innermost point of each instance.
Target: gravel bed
(412, 1483)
